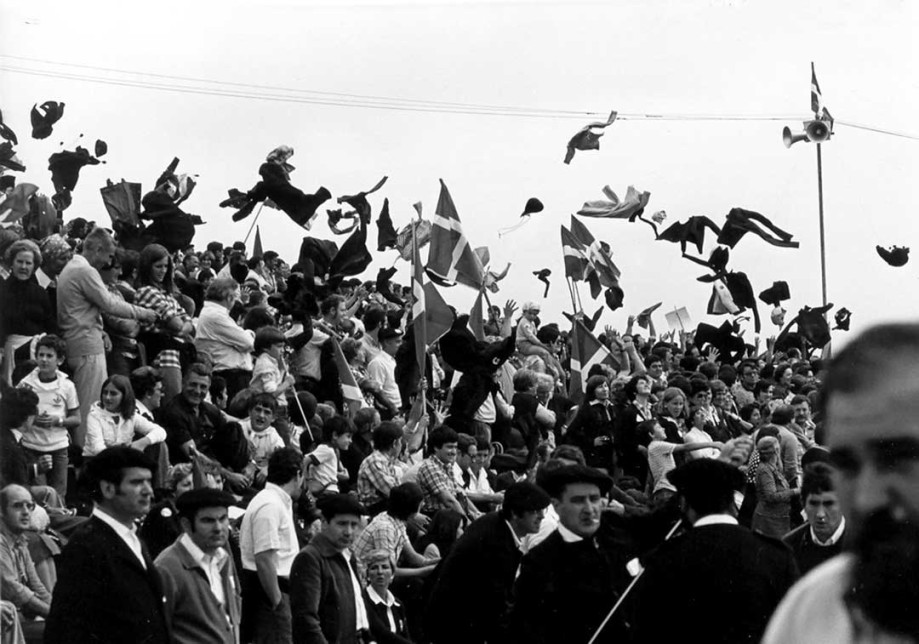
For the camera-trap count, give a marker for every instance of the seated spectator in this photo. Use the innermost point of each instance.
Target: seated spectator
(445, 528)
(217, 336)
(471, 476)
(378, 473)
(19, 581)
(365, 421)
(384, 611)
(114, 420)
(58, 411)
(324, 468)
(436, 474)
(387, 532)
(270, 374)
(148, 390)
(161, 525)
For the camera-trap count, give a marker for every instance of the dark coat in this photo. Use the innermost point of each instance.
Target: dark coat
(809, 555)
(476, 579)
(379, 622)
(590, 423)
(564, 592)
(322, 595)
(716, 583)
(103, 593)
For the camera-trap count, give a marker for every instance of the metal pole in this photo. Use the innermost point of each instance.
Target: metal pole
(254, 221)
(827, 351)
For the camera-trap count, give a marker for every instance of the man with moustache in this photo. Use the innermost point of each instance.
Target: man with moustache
(568, 583)
(870, 405)
(108, 589)
(202, 589)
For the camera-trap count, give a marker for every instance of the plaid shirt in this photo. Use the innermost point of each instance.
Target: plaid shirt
(166, 308)
(376, 477)
(385, 532)
(434, 477)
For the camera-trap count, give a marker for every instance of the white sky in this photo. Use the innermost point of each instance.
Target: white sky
(642, 57)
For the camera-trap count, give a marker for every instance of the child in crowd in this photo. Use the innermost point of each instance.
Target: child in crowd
(270, 374)
(529, 344)
(325, 470)
(262, 437)
(58, 411)
(661, 461)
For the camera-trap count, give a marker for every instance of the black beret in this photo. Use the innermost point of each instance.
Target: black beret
(525, 497)
(203, 497)
(554, 482)
(335, 504)
(706, 478)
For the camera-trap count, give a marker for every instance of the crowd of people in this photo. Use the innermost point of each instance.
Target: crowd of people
(185, 457)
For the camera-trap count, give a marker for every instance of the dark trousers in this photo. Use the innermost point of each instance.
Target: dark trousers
(261, 622)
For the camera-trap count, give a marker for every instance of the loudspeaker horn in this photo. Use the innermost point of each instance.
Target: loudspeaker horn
(790, 139)
(817, 131)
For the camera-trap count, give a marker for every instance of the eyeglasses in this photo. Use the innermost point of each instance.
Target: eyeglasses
(19, 505)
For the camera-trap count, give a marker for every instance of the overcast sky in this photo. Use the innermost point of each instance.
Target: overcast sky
(300, 73)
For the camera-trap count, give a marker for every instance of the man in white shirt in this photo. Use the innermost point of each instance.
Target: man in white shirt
(202, 589)
(108, 589)
(227, 344)
(268, 545)
(383, 369)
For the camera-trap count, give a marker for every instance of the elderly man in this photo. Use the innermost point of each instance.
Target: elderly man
(82, 297)
(217, 336)
(199, 578)
(108, 589)
(20, 583)
(478, 575)
(568, 583)
(868, 594)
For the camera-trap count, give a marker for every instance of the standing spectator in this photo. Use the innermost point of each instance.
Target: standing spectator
(199, 578)
(81, 298)
(270, 374)
(124, 355)
(327, 601)
(772, 514)
(385, 612)
(217, 336)
(383, 370)
(715, 563)
(823, 536)
(480, 571)
(20, 583)
(58, 411)
(166, 337)
(593, 428)
(268, 545)
(108, 589)
(25, 310)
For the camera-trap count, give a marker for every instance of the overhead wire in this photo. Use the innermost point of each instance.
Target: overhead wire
(236, 89)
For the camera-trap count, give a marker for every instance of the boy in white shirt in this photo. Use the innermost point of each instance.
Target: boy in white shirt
(263, 438)
(325, 471)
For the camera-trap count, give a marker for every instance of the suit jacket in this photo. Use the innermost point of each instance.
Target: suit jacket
(564, 592)
(194, 614)
(379, 622)
(808, 554)
(103, 593)
(715, 583)
(322, 595)
(477, 575)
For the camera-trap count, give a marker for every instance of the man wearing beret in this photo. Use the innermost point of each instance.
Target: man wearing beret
(478, 575)
(199, 578)
(325, 594)
(718, 581)
(568, 583)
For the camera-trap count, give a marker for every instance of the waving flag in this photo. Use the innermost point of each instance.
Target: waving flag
(451, 258)
(349, 389)
(817, 106)
(576, 261)
(431, 317)
(601, 271)
(586, 351)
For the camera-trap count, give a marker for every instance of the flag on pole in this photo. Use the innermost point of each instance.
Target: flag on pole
(451, 258)
(817, 106)
(586, 351)
(431, 317)
(599, 259)
(349, 388)
(576, 261)
(257, 245)
(477, 318)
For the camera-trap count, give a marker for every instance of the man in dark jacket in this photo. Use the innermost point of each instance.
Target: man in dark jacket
(823, 536)
(717, 582)
(325, 594)
(568, 583)
(108, 589)
(479, 573)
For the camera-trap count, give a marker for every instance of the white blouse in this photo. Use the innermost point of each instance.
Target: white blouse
(105, 429)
